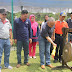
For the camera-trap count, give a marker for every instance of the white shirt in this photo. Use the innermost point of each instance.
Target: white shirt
(42, 24)
(61, 21)
(4, 29)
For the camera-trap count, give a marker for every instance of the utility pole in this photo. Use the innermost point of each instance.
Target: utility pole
(21, 8)
(12, 14)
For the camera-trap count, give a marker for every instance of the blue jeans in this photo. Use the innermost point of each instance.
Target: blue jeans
(69, 37)
(25, 45)
(44, 51)
(5, 44)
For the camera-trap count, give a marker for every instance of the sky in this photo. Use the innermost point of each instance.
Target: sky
(38, 3)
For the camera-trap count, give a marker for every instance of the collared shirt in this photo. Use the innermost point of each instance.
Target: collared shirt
(69, 21)
(61, 21)
(22, 29)
(47, 31)
(59, 25)
(4, 29)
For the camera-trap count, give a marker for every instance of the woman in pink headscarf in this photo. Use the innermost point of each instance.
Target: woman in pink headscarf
(35, 34)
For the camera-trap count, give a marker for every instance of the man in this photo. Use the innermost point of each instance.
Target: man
(59, 24)
(22, 35)
(69, 21)
(45, 42)
(5, 30)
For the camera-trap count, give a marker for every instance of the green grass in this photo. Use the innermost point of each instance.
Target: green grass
(35, 64)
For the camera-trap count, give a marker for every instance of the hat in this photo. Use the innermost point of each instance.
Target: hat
(63, 14)
(3, 11)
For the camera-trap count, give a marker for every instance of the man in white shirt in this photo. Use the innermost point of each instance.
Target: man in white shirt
(5, 33)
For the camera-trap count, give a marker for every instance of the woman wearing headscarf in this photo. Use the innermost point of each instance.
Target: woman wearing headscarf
(35, 34)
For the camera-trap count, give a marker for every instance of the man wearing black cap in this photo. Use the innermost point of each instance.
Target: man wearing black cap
(5, 33)
(22, 34)
(69, 21)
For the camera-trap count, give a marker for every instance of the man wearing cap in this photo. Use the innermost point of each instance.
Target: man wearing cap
(59, 24)
(69, 21)
(5, 33)
(22, 34)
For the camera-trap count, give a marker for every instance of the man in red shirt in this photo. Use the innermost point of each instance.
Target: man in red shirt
(59, 24)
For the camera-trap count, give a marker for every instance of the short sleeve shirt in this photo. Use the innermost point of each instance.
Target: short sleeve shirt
(59, 25)
(47, 31)
(5, 27)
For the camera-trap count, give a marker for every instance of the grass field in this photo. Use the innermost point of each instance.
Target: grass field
(35, 64)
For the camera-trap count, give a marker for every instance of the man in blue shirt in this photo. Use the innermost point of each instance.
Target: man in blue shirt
(22, 34)
(69, 21)
(45, 42)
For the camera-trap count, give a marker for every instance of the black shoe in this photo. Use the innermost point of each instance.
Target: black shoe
(55, 61)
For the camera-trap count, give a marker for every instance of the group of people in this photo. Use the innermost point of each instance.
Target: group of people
(26, 34)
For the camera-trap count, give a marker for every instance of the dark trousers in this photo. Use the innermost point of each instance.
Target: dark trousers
(59, 49)
(51, 48)
(25, 45)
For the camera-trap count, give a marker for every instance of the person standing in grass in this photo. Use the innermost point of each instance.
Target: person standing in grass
(45, 42)
(46, 19)
(22, 34)
(5, 33)
(35, 34)
(69, 21)
(59, 24)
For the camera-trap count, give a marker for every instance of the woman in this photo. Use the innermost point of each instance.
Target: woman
(46, 19)
(35, 34)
